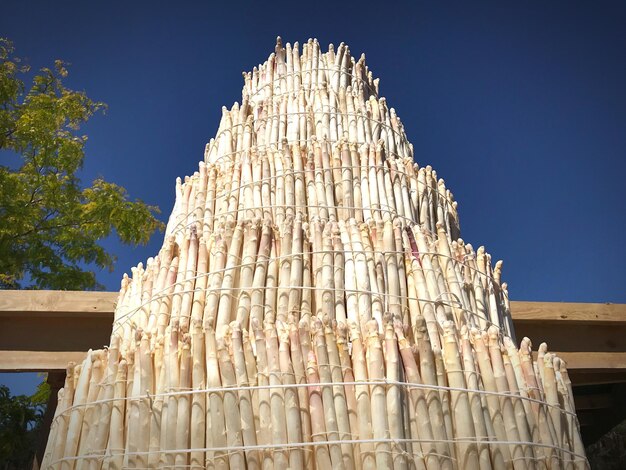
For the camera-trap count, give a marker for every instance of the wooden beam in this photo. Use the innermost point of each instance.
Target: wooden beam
(62, 332)
(38, 361)
(63, 323)
(45, 330)
(59, 321)
(78, 302)
(81, 303)
(597, 377)
(564, 325)
(593, 402)
(593, 360)
(602, 420)
(568, 312)
(51, 302)
(55, 380)
(564, 336)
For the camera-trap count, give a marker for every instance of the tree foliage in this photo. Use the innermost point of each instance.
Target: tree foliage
(49, 224)
(20, 419)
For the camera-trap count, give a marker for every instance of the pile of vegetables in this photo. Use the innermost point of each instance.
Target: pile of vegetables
(313, 306)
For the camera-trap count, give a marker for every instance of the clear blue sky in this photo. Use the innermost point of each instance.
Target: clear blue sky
(521, 107)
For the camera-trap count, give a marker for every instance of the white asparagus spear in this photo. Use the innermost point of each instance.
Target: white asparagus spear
(424, 450)
(476, 404)
(115, 446)
(349, 278)
(216, 437)
(157, 427)
(260, 272)
(398, 228)
(45, 462)
(467, 451)
(271, 281)
(199, 294)
(76, 416)
(299, 370)
(170, 410)
(292, 406)
(264, 410)
(546, 432)
(190, 281)
(433, 399)
(232, 415)
(56, 446)
(363, 404)
(339, 394)
(277, 399)
(479, 341)
(552, 399)
(165, 305)
(246, 278)
(231, 272)
(340, 455)
(395, 401)
(198, 404)
(376, 372)
(316, 406)
(248, 430)
(284, 273)
(147, 390)
(511, 387)
(90, 417)
(343, 346)
(580, 462)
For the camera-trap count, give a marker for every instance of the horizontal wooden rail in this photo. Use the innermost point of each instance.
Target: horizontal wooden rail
(594, 360)
(43, 330)
(51, 302)
(594, 402)
(37, 361)
(568, 312)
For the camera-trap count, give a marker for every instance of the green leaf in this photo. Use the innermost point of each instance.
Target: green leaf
(50, 223)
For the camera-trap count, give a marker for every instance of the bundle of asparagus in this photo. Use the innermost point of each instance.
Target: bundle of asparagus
(313, 306)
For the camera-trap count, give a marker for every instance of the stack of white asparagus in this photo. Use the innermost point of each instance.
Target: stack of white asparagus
(314, 307)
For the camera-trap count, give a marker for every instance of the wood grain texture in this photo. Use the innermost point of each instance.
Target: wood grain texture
(593, 360)
(574, 337)
(523, 311)
(50, 302)
(597, 377)
(38, 361)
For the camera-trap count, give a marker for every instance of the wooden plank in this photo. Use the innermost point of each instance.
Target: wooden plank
(56, 380)
(594, 401)
(596, 377)
(83, 302)
(49, 302)
(593, 360)
(523, 311)
(45, 330)
(606, 418)
(29, 319)
(562, 336)
(11, 360)
(62, 332)
(37, 361)
(80, 302)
